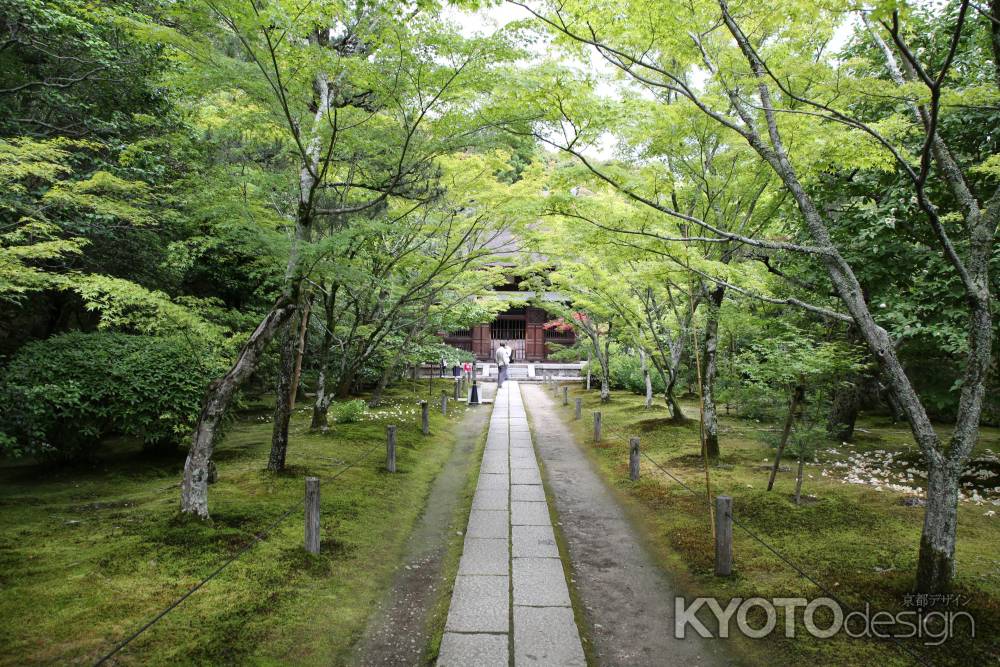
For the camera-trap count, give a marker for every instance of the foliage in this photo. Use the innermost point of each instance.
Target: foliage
(626, 373)
(807, 435)
(64, 394)
(350, 412)
(783, 357)
(71, 68)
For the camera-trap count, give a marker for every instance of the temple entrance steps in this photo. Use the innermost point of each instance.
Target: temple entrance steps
(533, 372)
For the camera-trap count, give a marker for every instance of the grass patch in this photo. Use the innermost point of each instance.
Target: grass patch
(858, 541)
(89, 554)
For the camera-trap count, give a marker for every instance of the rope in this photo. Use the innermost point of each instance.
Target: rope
(802, 573)
(257, 538)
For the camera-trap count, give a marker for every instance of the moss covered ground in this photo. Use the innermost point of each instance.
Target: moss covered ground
(857, 540)
(90, 553)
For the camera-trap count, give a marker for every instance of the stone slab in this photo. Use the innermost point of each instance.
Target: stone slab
(534, 542)
(525, 476)
(485, 556)
(479, 604)
(498, 465)
(540, 582)
(528, 492)
(473, 650)
(523, 463)
(491, 499)
(529, 513)
(547, 636)
(487, 523)
(492, 481)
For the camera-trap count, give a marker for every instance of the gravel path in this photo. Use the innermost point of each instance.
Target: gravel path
(398, 632)
(628, 599)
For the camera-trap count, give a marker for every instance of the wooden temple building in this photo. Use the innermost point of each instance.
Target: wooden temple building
(522, 327)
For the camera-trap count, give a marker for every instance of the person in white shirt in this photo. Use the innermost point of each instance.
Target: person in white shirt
(503, 360)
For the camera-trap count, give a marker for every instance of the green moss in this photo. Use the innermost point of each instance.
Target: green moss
(87, 555)
(857, 542)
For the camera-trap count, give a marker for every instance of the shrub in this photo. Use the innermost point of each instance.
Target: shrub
(350, 412)
(625, 370)
(64, 394)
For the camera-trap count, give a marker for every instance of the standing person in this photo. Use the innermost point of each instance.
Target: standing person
(502, 359)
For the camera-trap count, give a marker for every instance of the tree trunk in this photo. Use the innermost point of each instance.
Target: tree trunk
(322, 403)
(646, 379)
(674, 370)
(937, 545)
(798, 479)
(308, 173)
(321, 412)
(194, 487)
(936, 564)
(301, 351)
(283, 397)
(383, 382)
(844, 409)
(346, 383)
(677, 415)
(602, 357)
(709, 410)
(669, 380)
(798, 394)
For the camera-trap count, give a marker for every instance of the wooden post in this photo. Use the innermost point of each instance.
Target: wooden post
(444, 403)
(390, 448)
(312, 515)
(633, 459)
(579, 408)
(597, 427)
(425, 418)
(458, 388)
(565, 395)
(723, 536)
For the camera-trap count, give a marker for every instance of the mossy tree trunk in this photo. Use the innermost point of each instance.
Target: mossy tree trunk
(710, 371)
(194, 487)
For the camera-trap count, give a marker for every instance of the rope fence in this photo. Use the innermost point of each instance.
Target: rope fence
(628, 443)
(257, 538)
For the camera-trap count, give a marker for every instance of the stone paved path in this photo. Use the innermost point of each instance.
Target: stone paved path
(510, 596)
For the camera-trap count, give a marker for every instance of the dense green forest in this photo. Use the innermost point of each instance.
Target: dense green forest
(243, 225)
